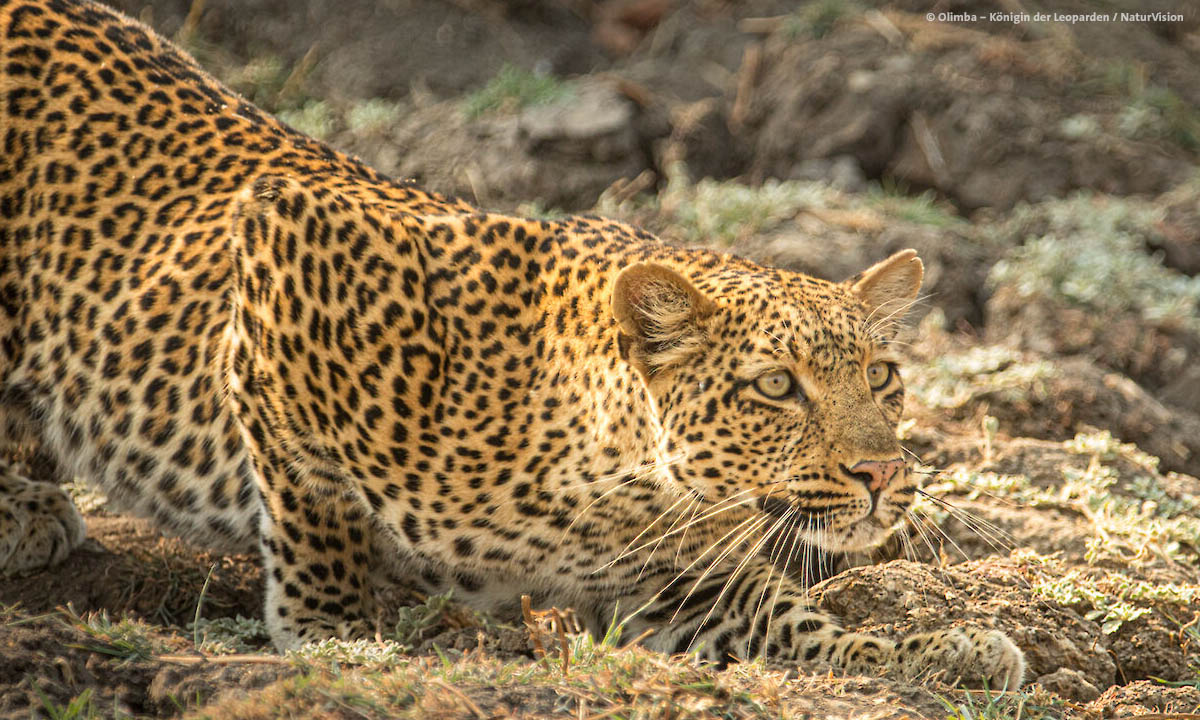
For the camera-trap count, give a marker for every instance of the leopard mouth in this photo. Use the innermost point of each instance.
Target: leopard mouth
(790, 518)
(818, 530)
(780, 507)
(777, 506)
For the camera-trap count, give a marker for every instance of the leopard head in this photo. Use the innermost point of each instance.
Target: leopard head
(776, 393)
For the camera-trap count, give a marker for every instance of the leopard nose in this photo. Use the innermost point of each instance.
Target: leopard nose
(876, 474)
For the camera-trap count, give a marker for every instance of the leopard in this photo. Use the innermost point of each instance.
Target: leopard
(264, 345)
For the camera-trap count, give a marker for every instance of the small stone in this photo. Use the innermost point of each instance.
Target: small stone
(1070, 684)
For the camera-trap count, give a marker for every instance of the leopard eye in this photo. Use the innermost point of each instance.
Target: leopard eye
(878, 375)
(775, 385)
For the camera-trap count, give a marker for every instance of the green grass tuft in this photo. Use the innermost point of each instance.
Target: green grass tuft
(816, 19)
(1151, 111)
(127, 640)
(82, 706)
(226, 636)
(514, 88)
(1090, 252)
(723, 213)
(373, 116)
(414, 621)
(924, 209)
(315, 118)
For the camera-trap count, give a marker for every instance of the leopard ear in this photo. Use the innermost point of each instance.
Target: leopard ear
(659, 313)
(888, 287)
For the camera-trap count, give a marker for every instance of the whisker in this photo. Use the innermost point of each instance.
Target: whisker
(589, 506)
(942, 532)
(729, 579)
(919, 524)
(638, 473)
(716, 509)
(913, 455)
(906, 544)
(683, 535)
(997, 537)
(655, 542)
(795, 536)
(696, 521)
(756, 523)
(815, 558)
(780, 348)
(693, 506)
(661, 515)
(739, 528)
(776, 532)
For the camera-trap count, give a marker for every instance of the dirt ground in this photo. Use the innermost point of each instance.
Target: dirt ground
(1046, 172)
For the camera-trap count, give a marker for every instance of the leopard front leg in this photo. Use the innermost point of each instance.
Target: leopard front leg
(315, 537)
(314, 529)
(39, 525)
(315, 558)
(757, 611)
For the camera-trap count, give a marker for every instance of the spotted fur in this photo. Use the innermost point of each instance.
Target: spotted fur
(260, 342)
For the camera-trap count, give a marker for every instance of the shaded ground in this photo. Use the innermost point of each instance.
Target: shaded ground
(126, 566)
(1054, 383)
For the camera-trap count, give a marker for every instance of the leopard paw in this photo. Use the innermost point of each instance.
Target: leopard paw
(971, 656)
(303, 630)
(295, 616)
(39, 525)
